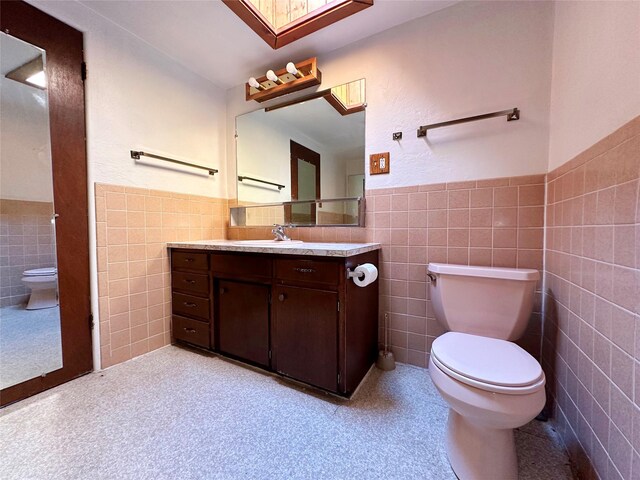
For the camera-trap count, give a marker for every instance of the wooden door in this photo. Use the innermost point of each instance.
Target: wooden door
(306, 335)
(65, 88)
(303, 158)
(243, 320)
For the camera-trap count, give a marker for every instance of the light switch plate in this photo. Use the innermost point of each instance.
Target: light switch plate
(379, 163)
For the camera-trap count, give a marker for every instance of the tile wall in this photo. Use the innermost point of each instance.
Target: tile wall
(591, 348)
(495, 222)
(133, 227)
(27, 241)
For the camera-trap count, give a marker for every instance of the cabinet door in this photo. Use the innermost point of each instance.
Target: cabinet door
(243, 320)
(306, 335)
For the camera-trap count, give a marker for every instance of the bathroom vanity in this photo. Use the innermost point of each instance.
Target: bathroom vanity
(289, 308)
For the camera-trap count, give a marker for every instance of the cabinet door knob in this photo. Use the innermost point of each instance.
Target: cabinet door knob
(189, 304)
(223, 291)
(281, 297)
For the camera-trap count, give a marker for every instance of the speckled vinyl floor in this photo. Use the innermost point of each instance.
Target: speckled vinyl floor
(30, 343)
(178, 414)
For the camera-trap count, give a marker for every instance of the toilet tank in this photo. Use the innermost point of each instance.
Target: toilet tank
(487, 301)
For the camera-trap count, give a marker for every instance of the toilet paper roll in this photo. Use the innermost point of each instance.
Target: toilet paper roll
(368, 273)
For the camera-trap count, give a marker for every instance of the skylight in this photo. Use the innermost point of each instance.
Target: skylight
(280, 22)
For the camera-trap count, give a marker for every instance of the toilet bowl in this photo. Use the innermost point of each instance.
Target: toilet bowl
(490, 384)
(43, 283)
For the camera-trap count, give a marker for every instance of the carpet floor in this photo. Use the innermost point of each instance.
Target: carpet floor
(180, 414)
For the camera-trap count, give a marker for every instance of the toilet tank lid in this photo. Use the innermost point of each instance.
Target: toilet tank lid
(522, 274)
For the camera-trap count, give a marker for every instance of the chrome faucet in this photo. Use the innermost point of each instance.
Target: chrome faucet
(278, 231)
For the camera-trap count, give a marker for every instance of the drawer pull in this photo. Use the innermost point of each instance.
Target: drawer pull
(189, 330)
(304, 270)
(189, 259)
(190, 304)
(189, 281)
(281, 297)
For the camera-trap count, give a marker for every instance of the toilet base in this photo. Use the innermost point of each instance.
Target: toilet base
(43, 299)
(480, 453)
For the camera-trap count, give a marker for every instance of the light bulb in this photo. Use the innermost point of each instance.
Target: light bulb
(255, 84)
(291, 68)
(273, 77)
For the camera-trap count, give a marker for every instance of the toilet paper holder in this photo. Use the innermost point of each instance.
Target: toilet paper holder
(353, 273)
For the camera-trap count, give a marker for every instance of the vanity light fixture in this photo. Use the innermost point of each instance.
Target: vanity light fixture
(31, 73)
(38, 79)
(294, 77)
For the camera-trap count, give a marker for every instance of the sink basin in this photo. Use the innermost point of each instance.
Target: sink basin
(266, 243)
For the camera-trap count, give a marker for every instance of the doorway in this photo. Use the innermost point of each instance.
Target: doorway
(305, 183)
(45, 314)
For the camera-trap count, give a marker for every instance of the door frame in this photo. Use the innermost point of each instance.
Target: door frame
(300, 152)
(64, 65)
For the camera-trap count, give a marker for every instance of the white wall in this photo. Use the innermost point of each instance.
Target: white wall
(139, 99)
(25, 147)
(596, 74)
(471, 58)
(263, 152)
(263, 149)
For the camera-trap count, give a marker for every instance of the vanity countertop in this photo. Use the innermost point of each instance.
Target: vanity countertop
(282, 248)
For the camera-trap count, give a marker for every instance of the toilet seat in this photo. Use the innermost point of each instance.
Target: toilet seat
(487, 363)
(38, 272)
(35, 279)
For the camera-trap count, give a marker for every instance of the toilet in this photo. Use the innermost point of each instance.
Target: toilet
(43, 283)
(491, 384)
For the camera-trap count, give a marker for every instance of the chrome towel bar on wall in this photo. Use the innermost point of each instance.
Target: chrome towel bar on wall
(511, 115)
(244, 177)
(137, 154)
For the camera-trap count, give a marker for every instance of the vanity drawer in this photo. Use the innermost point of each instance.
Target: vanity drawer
(191, 331)
(239, 266)
(312, 271)
(189, 261)
(190, 306)
(191, 282)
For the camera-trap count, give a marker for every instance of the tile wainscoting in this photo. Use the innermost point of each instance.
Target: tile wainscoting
(26, 241)
(496, 222)
(133, 226)
(591, 348)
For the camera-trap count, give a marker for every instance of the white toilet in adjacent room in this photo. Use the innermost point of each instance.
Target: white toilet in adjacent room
(43, 283)
(491, 384)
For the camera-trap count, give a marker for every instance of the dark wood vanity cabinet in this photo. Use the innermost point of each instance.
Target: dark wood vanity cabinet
(243, 320)
(305, 335)
(299, 316)
(191, 298)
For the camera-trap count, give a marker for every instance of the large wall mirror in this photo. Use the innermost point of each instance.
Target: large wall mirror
(30, 333)
(295, 159)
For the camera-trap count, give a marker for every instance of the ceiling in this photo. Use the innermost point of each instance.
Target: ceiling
(318, 120)
(206, 37)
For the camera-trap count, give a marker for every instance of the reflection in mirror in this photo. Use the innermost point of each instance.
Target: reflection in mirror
(312, 148)
(335, 212)
(30, 338)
